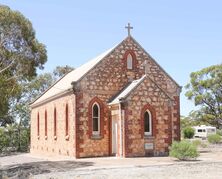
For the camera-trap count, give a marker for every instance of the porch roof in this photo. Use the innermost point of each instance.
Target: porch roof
(127, 90)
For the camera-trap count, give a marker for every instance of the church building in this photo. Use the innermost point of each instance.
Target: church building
(121, 103)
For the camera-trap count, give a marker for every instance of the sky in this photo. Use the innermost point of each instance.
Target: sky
(182, 36)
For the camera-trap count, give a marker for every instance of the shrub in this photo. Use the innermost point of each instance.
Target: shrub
(214, 138)
(188, 132)
(184, 150)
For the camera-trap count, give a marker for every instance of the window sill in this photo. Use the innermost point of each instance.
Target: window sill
(67, 137)
(96, 137)
(38, 137)
(46, 137)
(55, 137)
(148, 137)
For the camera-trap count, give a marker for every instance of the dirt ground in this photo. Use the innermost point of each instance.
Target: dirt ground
(208, 165)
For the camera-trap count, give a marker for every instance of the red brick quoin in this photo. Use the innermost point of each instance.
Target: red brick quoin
(153, 115)
(101, 105)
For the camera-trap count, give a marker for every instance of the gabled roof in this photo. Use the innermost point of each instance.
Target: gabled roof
(127, 90)
(64, 84)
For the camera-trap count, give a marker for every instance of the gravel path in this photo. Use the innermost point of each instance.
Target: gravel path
(179, 171)
(23, 166)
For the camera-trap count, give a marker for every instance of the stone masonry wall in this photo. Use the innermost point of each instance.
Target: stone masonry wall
(104, 82)
(51, 146)
(147, 94)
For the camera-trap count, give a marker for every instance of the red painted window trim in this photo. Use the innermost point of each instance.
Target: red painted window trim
(67, 120)
(46, 123)
(38, 124)
(153, 118)
(101, 106)
(55, 122)
(131, 52)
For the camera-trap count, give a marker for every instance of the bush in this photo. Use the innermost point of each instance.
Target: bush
(184, 150)
(188, 132)
(214, 138)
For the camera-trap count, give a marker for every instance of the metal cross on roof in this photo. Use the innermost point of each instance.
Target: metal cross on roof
(128, 28)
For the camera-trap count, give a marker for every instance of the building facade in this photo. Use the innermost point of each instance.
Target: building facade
(120, 103)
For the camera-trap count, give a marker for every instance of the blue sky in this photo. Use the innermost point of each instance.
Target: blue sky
(182, 36)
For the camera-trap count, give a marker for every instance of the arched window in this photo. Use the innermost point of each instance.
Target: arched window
(129, 62)
(46, 123)
(147, 123)
(96, 119)
(55, 123)
(38, 124)
(67, 120)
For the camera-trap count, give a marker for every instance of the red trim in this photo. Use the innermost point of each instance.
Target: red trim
(55, 122)
(101, 105)
(177, 115)
(110, 132)
(78, 141)
(46, 123)
(38, 124)
(67, 120)
(131, 52)
(153, 117)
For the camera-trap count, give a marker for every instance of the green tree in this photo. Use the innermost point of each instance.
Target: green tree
(205, 88)
(20, 56)
(61, 71)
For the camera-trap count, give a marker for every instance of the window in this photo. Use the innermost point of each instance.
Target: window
(46, 123)
(55, 123)
(96, 119)
(67, 121)
(147, 123)
(129, 62)
(38, 125)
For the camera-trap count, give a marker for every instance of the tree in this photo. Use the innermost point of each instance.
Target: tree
(205, 88)
(20, 56)
(61, 71)
(20, 52)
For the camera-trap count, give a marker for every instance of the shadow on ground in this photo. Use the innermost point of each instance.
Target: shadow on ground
(34, 168)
